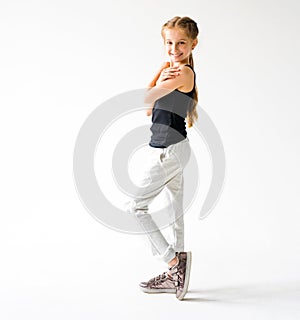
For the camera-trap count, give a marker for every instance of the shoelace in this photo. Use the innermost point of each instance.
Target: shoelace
(161, 277)
(165, 275)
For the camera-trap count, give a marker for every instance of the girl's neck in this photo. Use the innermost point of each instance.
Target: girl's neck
(178, 64)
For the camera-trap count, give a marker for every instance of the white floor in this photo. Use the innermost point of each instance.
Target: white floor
(94, 296)
(82, 278)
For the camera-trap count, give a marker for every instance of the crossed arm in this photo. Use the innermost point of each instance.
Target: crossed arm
(165, 81)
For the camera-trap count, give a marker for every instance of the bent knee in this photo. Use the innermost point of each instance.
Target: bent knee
(133, 207)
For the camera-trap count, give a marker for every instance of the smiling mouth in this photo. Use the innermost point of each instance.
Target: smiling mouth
(176, 55)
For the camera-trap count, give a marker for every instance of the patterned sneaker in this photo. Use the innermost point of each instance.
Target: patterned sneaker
(160, 284)
(181, 274)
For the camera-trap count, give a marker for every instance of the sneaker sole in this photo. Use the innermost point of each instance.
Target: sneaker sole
(187, 275)
(158, 290)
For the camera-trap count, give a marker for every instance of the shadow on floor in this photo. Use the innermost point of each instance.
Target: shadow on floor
(247, 293)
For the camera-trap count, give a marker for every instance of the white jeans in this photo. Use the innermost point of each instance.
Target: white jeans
(164, 169)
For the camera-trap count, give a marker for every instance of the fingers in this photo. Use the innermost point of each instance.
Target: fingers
(170, 73)
(172, 70)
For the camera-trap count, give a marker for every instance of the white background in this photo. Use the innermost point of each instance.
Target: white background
(59, 60)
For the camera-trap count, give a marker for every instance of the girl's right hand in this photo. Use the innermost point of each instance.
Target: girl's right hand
(169, 73)
(165, 72)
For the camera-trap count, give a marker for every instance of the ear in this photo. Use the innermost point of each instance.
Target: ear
(195, 42)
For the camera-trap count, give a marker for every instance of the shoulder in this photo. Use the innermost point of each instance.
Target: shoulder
(188, 76)
(188, 69)
(188, 72)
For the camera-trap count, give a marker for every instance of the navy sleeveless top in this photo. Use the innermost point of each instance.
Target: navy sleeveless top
(168, 117)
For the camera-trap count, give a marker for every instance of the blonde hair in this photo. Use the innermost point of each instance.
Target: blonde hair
(190, 28)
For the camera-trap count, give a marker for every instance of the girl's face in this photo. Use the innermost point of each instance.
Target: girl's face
(178, 46)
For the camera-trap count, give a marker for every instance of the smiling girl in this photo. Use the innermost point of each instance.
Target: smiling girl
(172, 96)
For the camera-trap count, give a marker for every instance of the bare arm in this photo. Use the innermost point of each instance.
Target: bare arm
(168, 82)
(153, 84)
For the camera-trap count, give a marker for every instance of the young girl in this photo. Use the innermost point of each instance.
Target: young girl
(172, 95)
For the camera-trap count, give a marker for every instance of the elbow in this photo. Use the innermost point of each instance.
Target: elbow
(147, 98)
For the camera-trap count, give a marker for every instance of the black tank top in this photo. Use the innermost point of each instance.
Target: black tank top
(168, 117)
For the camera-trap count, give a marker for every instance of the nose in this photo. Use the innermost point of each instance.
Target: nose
(174, 47)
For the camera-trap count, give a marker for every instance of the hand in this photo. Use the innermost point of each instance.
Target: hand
(169, 73)
(152, 84)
